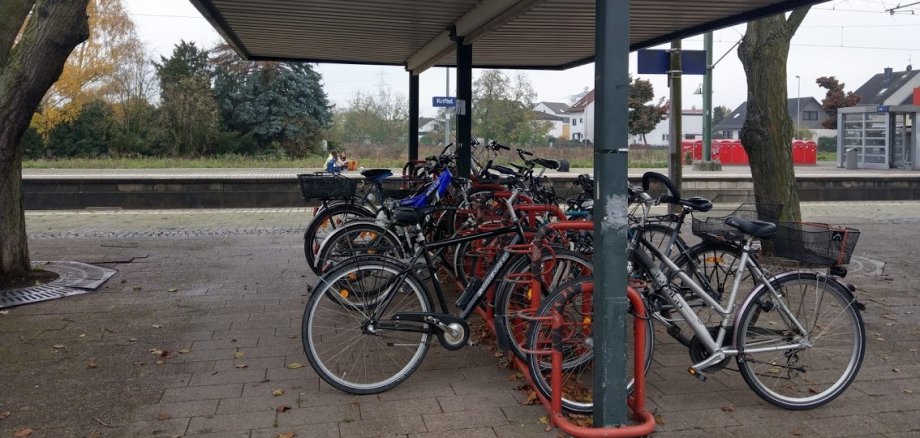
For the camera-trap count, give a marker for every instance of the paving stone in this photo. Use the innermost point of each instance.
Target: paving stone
(231, 376)
(681, 402)
(213, 392)
(480, 432)
(495, 399)
(171, 427)
(196, 408)
(703, 418)
(902, 421)
(251, 363)
(319, 415)
(267, 403)
(404, 424)
(465, 419)
(327, 430)
(381, 410)
(223, 344)
(852, 425)
(231, 422)
(265, 387)
(526, 430)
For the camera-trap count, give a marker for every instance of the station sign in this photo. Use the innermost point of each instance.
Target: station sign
(443, 102)
(658, 62)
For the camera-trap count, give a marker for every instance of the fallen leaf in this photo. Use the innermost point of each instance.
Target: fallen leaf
(4, 414)
(531, 398)
(184, 350)
(240, 366)
(544, 420)
(239, 354)
(277, 392)
(161, 353)
(294, 365)
(160, 362)
(908, 391)
(140, 364)
(292, 337)
(83, 335)
(58, 346)
(23, 432)
(91, 364)
(4, 312)
(659, 420)
(796, 432)
(896, 370)
(889, 317)
(172, 289)
(137, 288)
(282, 408)
(156, 326)
(728, 408)
(913, 350)
(286, 435)
(163, 416)
(132, 339)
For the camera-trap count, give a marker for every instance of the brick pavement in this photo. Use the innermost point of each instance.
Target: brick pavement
(202, 323)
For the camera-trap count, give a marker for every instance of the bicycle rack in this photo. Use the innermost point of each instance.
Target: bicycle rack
(644, 421)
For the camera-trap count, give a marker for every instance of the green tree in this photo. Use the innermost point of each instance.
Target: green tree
(503, 110)
(36, 37)
(767, 131)
(644, 117)
(380, 119)
(88, 135)
(188, 111)
(834, 99)
(280, 103)
(720, 112)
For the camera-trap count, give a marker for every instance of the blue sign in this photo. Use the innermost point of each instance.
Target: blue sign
(881, 109)
(444, 102)
(655, 62)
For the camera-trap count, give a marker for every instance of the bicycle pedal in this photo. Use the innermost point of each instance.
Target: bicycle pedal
(693, 372)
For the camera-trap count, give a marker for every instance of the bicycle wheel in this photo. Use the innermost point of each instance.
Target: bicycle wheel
(804, 370)
(713, 266)
(574, 300)
(349, 348)
(356, 238)
(324, 223)
(559, 266)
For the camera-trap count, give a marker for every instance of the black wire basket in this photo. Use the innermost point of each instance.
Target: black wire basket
(815, 243)
(325, 186)
(711, 224)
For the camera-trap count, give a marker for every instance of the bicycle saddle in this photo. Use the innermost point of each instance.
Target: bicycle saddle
(412, 216)
(376, 174)
(504, 169)
(761, 229)
(697, 203)
(549, 164)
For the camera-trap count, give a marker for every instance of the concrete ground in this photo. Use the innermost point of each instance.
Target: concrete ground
(199, 335)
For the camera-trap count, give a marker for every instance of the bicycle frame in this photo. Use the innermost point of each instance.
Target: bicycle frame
(715, 346)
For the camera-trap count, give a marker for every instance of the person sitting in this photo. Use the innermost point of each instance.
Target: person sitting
(335, 162)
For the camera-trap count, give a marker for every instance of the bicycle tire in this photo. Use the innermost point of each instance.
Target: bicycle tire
(578, 356)
(779, 377)
(313, 236)
(327, 319)
(354, 239)
(511, 297)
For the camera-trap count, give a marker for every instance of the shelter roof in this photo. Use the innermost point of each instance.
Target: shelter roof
(545, 34)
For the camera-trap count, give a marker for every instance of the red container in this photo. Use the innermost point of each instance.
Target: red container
(716, 148)
(726, 152)
(698, 150)
(811, 153)
(739, 156)
(798, 152)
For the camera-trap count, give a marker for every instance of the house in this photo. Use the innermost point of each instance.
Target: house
(691, 125)
(889, 88)
(581, 115)
(812, 117)
(560, 120)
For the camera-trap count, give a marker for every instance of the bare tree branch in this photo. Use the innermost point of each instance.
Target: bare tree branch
(12, 15)
(795, 19)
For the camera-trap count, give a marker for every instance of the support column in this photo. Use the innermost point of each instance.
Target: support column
(676, 157)
(464, 107)
(413, 116)
(611, 84)
(707, 163)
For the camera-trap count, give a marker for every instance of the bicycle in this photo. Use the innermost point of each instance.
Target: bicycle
(779, 330)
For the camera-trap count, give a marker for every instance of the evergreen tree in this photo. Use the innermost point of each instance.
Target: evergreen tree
(278, 103)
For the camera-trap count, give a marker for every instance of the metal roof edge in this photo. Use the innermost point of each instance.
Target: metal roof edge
(207, 10)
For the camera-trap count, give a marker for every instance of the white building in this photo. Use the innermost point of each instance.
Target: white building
(581, 115)
(691, 129)
(555, 113)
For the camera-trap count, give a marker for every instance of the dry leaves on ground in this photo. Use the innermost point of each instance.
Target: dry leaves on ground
(282, 408)
(294, 365)
(286, 435)
(239, 354)
(277, 392)
(163, 416)
(23, 432)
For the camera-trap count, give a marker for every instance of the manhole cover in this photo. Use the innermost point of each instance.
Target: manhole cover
(75, 278)
(34, 294)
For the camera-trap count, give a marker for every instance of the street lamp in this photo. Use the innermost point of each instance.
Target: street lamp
(798, 105)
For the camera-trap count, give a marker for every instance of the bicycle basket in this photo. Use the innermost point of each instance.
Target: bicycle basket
(815, 243)
(712, 223)
(324, 186)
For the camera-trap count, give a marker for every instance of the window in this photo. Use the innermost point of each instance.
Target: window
(581, 120)
(664, 137)
(809, 115)
(574, 122)
(727, 134)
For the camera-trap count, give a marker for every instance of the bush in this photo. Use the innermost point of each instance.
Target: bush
(32, 144)
(86, 136)
(827, 144)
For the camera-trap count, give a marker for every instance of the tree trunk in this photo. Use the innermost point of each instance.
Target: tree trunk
(33, 64)
(767, 131)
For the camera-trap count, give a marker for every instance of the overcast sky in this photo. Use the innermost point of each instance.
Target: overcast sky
(850, 39)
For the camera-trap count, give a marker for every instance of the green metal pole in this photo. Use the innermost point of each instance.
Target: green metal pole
(611, 82)
(465, 107)
(676, 157)
(707, 99)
